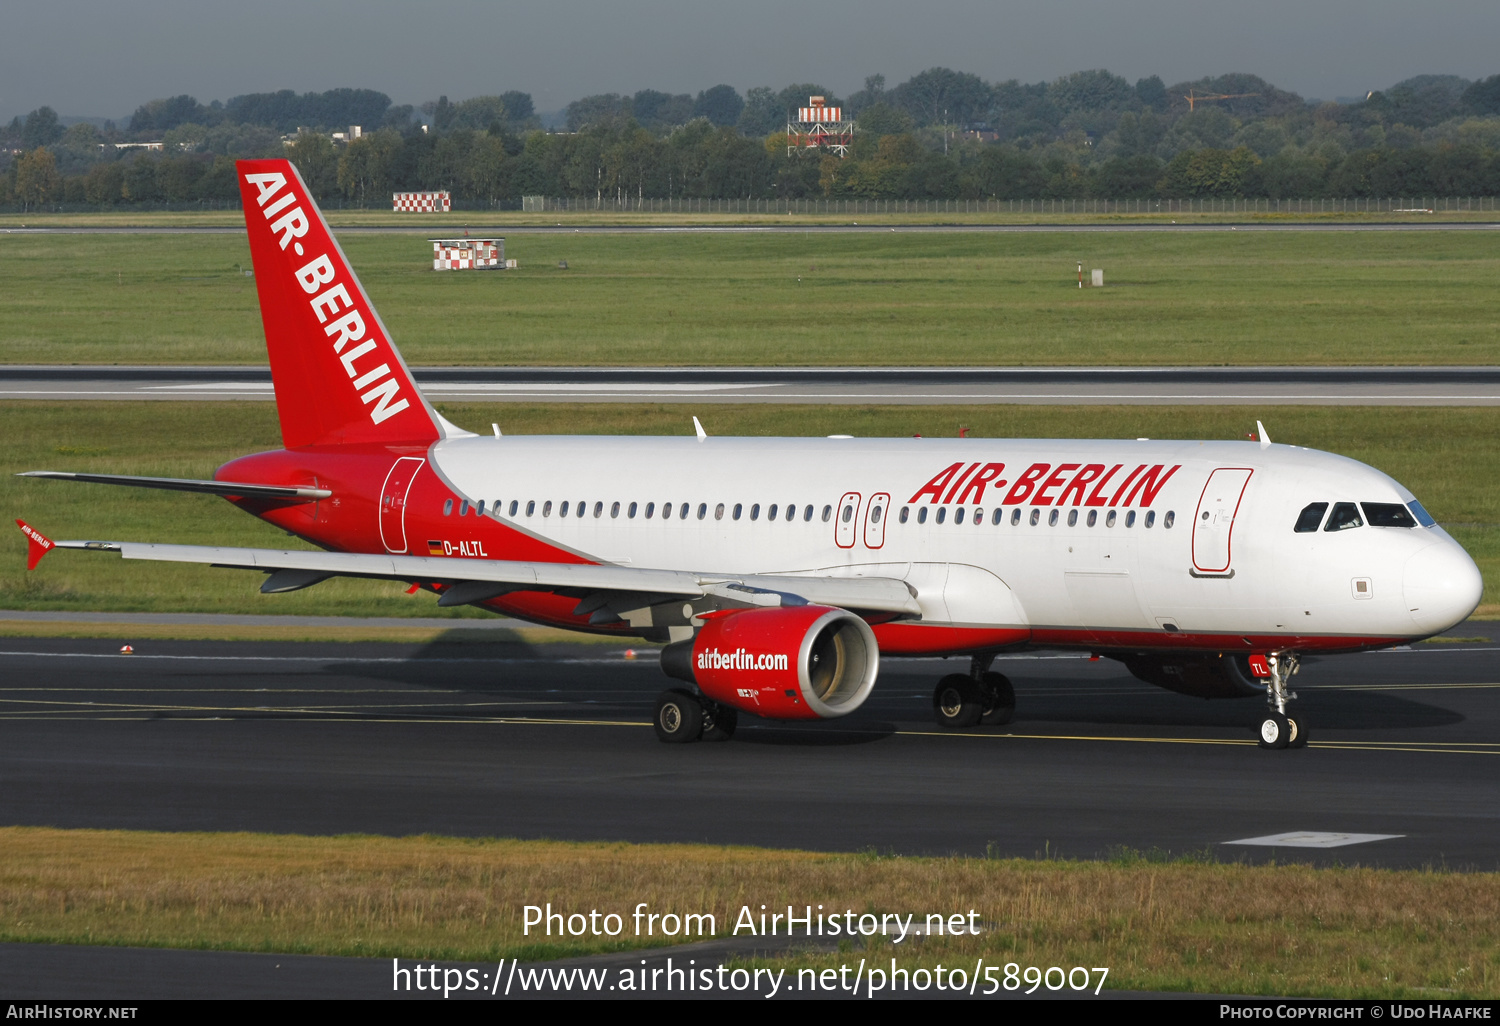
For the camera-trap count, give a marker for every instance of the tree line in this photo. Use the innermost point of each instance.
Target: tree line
(940, 135)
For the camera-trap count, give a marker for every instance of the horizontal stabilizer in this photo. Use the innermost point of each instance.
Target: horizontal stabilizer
(181, 484)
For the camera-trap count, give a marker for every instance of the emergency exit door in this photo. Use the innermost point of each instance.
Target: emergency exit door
(1213, 525)
(393, 502)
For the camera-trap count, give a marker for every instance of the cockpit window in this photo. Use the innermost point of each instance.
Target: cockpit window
(1310, 517)
(1387, 514)
(1344, 516)
(1423, 517)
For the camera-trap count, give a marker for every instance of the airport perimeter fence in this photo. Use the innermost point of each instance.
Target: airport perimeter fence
(590, 204)
(1206, 205)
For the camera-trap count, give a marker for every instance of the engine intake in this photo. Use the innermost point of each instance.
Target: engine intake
(789, 663)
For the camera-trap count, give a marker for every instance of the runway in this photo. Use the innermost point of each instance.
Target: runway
(1247, 386)
(852, 227)
(554, 741)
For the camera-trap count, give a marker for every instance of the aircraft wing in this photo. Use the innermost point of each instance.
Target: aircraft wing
(600, 588)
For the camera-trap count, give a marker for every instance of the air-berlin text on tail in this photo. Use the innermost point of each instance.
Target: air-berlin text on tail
(1043, 484)
(331, 299)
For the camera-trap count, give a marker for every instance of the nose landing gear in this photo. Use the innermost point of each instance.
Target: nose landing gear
(1277, 729)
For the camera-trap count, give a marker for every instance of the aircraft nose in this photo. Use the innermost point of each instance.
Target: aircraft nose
(1442, 586)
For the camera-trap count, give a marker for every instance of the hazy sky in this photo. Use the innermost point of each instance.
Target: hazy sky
(105, 57)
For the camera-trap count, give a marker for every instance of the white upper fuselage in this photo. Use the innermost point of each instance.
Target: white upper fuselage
(1206, 553)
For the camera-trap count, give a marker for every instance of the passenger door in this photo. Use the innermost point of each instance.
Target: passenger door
(875, 518)
(393, 502)
(846, 520)
(1213, 523)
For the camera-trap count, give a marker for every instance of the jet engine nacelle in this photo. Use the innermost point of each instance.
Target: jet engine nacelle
(788, 663)
(1214, 676)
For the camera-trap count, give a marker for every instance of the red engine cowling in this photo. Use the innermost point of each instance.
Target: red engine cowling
(788, 663)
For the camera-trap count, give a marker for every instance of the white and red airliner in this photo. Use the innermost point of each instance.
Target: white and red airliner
(779, 570)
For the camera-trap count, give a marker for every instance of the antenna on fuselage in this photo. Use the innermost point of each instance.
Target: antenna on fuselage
(1260, 429)
(699, 428)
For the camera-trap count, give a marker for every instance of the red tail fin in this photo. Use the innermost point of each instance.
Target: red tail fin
(38, 545)
(338, 377)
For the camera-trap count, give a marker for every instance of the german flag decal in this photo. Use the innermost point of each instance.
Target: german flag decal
(434, 548)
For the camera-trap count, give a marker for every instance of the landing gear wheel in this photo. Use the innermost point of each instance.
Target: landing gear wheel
(957, 701)
(1275, 731)
(998, 704)
(719, 722)
(1298, 732)
(679, 717)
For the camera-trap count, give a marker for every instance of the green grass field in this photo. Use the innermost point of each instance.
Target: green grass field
(1159, 925)
(1449, 456)
(795, 299)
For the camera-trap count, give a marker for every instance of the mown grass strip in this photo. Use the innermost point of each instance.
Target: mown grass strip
(1159, 923)
(883, 298)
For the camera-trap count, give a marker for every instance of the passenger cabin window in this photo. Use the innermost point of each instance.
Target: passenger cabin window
(631, 511)
(682, 511)
(614, 510)
(530, 506)
(1036, 517)
(922, 515)
(1093, 517)
(562, 511)
(958, 515)
(463, 508)
(999, 516)
(828, 512)
(942, 514)
(1150, 517)
(479, 510)
(1387, 514)
(755, 511)
(650, 509)
(807, 515)
(978, 516)
(447, 507)
(1015, 516)
(514, 503)
(702, 510)
(1052, 519)
(719, 511)
(1345, 516)
(1072, 518)
(1168, 520)
(771, 511)
(1109, 520)
(738, 509)
(1130, 519)
(1310, 517)
(905, 511)
(547, 508)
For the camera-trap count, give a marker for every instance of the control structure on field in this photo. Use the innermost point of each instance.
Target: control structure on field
(820, 127)
(435, 202)
(468, 254)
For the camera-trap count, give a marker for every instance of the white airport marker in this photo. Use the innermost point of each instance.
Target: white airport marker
(1313, 839)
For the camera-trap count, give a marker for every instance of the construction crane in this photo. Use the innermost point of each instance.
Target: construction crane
(1192, 98)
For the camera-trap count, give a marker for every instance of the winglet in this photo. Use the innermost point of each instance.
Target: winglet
(699, 428)
(1260, 430)
(39, 546)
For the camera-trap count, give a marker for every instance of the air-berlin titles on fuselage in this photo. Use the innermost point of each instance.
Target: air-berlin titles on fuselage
(965, 484)
(327, 302)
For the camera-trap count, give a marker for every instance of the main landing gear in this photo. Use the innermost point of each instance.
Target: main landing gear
(682, 716)
(979, 697)
(1277, 728)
